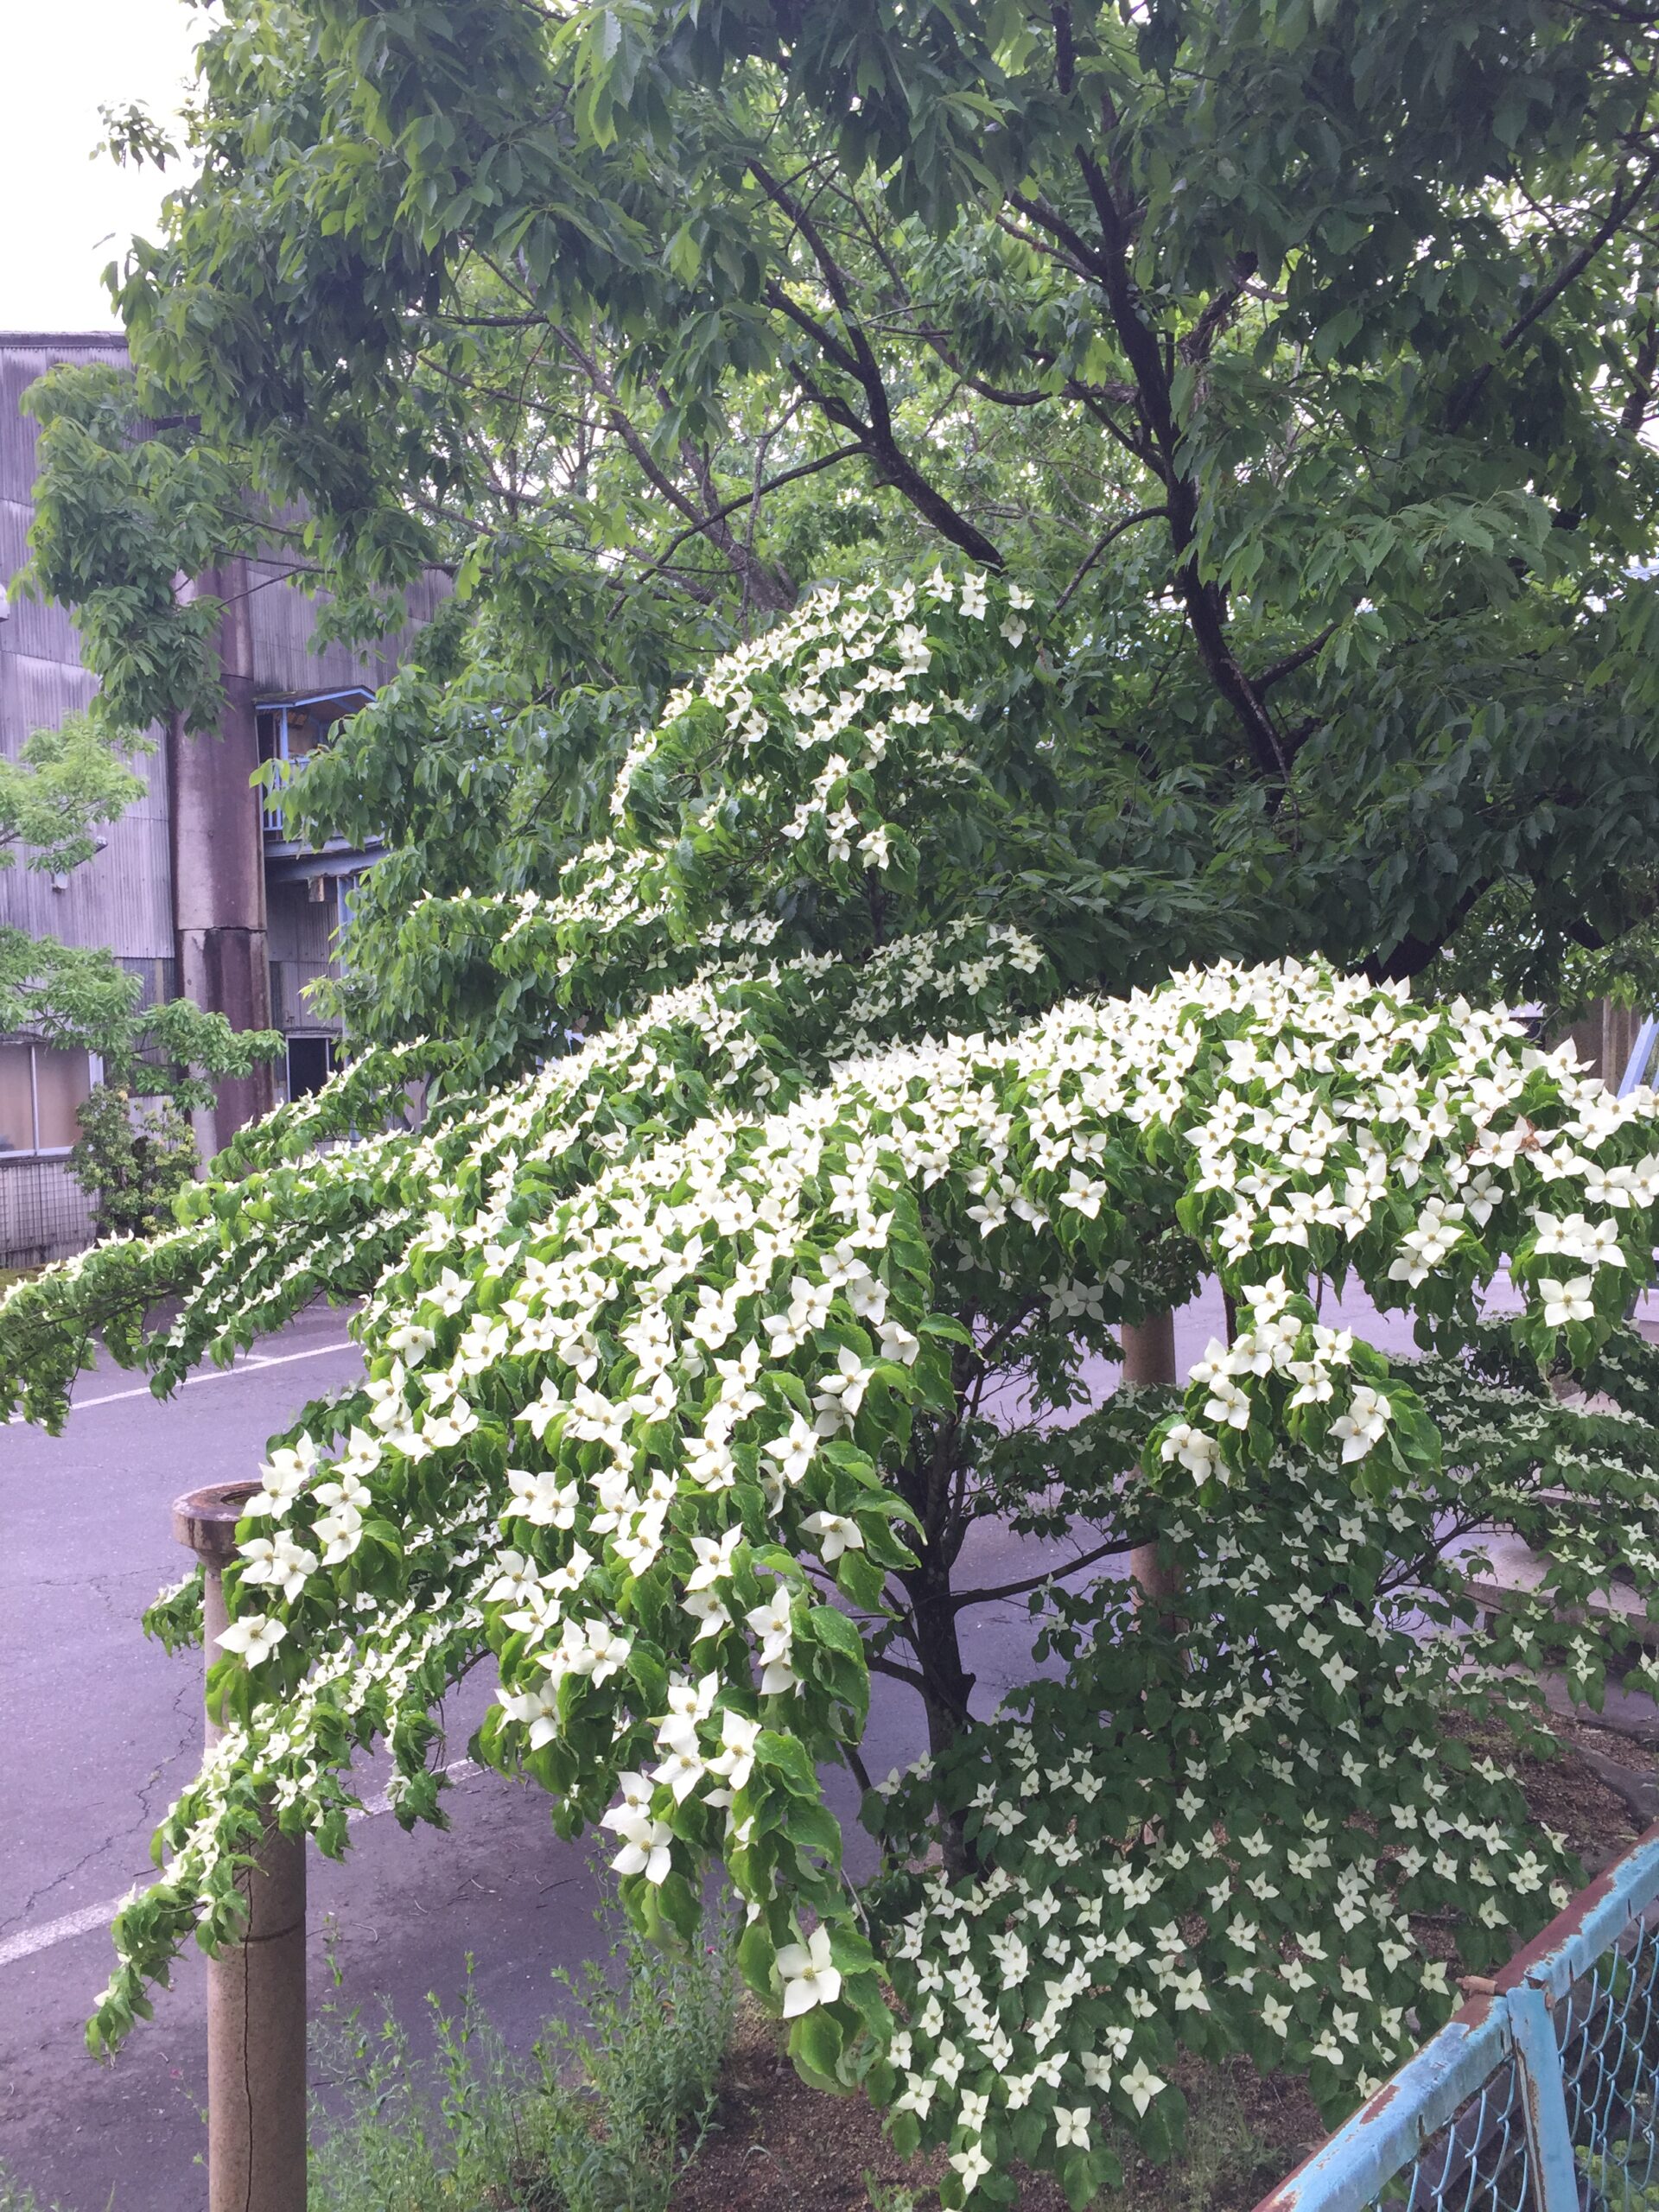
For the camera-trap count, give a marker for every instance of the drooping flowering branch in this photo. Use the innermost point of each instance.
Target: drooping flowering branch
(683, 1357)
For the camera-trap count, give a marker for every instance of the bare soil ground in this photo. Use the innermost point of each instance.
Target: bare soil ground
(779, 2146)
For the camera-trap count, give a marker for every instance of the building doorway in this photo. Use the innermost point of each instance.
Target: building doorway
(310, 1064)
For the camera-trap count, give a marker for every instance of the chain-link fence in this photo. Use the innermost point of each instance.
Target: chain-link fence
(44, 1213)
(1541, 2096)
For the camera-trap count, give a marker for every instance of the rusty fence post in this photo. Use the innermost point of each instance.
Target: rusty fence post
(1149, 1356)
(256, 1988)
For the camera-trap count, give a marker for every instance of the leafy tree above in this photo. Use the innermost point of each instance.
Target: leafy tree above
(1298, 360)
(79, 997)
(135, 1150)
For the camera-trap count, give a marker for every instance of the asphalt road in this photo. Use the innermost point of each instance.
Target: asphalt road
(99, 1728)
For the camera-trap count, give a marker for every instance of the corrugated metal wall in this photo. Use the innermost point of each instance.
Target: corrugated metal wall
(122, 896)
(301, 936)
(299, 927)
(283, 617)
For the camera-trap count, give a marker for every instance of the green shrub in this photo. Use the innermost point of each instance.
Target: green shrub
(133, 1157)
(601, 2117)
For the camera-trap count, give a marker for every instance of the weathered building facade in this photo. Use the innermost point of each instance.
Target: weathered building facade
(196, 889)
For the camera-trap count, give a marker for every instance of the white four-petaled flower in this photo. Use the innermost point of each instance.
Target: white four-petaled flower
(810, 1975)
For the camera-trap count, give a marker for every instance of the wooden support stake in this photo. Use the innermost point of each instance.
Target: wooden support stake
(256, 1988)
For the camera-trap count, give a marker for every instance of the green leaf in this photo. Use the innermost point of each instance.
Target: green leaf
(815, 2046)
(684, 257)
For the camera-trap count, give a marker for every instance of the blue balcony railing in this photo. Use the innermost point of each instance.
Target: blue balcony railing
(1540, 2095)
(280, 774)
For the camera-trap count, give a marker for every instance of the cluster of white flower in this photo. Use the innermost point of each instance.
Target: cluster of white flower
(650, 1333)
(668, 1300)
(1242, 1875)
(815, 753)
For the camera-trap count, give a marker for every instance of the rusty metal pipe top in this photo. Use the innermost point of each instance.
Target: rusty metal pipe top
(205, 1519)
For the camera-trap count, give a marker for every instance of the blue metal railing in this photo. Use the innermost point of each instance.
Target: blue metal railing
(1540, 2095)
(283, 773)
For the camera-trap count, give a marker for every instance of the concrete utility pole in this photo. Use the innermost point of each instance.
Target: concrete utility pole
(256, 1989)
(218, 870)
(1149, 1356)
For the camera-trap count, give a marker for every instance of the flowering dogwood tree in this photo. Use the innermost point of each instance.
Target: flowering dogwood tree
(692, 1360)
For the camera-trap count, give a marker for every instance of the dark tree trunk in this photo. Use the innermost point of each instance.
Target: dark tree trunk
(947, 1685)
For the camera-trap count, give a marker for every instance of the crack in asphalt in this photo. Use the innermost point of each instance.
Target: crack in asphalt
(145, 1819)
(116, 1574)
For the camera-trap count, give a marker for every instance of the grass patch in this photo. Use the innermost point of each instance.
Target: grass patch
(601, 2116)
(14, 2197)
(1244, 2133)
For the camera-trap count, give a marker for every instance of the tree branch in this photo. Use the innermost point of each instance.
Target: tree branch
(857, 360)
(755, 494)
(891, 466)
(1217, 312)
(1205, 605)
(1292, 662)
(1628, 196)
(747, 567)
(961, 1598)
(1634, 412)
(1411, 954)
(1126, 522)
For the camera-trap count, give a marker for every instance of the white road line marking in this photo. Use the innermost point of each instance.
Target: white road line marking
(29, 1941)
(255, 1363)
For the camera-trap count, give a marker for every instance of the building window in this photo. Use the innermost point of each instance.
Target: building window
(310, 1064)
(158, 977)
(41, 1087)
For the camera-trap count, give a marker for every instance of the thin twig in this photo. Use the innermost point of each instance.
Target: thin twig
(1126, 522)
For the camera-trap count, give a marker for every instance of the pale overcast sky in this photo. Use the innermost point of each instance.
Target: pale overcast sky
(63, 217)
